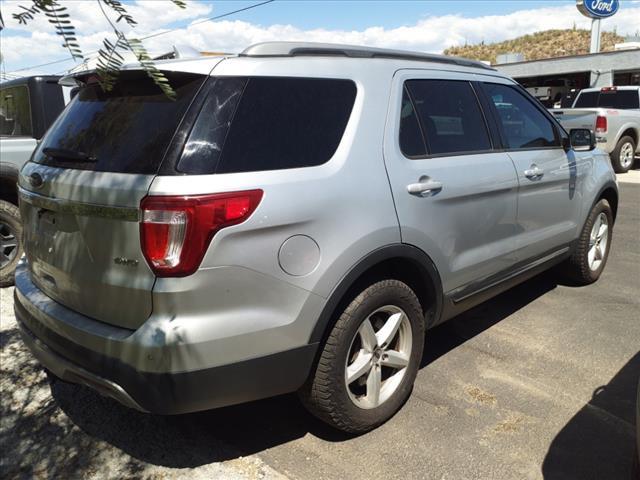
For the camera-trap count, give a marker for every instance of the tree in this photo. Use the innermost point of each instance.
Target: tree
(110, 57)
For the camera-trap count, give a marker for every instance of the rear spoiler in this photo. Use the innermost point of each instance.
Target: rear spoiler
(77, 79)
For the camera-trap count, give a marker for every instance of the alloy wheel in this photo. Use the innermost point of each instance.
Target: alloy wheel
(8, 244)
(626, 155)
(378, 357)
(598, 241)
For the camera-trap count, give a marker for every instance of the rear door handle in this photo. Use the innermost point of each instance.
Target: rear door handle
(534, 172)
(424, 187)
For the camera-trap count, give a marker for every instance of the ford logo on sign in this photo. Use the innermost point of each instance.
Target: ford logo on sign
(598, 8)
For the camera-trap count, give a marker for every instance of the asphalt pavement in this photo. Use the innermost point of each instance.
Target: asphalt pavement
(536, 383)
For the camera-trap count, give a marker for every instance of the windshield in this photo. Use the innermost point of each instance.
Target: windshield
(619, 99)
(126, 130)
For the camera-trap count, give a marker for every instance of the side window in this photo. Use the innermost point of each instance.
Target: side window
(521, 123)
(411, 139)
(204, 146)
(15, 112)
(287, 123)
(449, 115)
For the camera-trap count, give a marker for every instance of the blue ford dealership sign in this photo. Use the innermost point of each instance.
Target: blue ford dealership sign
(598, 8)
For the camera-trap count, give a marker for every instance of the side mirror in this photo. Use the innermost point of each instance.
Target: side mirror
(582, 139)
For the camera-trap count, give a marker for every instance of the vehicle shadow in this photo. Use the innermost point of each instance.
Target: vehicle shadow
(228, 433)
(599, 441)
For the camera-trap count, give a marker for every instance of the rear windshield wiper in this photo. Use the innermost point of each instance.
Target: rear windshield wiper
(65, 154)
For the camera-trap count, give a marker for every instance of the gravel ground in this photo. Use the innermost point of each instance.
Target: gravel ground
(63, 431)
(536, 383)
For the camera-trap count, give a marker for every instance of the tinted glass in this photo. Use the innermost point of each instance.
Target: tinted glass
(522, 124)
(15, 112)
(587, 100)
(619, 99)
(126, 130)
(287, 123)
(450, 116)
(411, 141)
(204, 145)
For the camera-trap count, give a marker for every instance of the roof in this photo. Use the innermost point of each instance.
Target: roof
(33, 78)
(295, 49)
(204, 64)
(617, 87)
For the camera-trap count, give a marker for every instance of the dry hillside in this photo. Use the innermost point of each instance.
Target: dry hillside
(550, 43)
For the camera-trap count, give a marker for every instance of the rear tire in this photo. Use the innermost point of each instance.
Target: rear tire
(370, 360)
(11, 246)
(594, 244)
(623, 155)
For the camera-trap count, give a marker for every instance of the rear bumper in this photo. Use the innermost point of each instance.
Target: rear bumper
(162, 393)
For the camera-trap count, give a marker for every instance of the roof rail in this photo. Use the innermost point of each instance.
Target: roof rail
(293, 49)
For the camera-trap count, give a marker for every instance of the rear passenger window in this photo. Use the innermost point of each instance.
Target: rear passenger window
(522, 124)
(449, 115)
(269, 123)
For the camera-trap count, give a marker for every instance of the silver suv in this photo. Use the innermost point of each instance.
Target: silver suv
(295, 220)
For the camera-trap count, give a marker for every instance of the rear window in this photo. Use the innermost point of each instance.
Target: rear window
(126, 130)
(250, 124)
(619, 99)
(15, 112)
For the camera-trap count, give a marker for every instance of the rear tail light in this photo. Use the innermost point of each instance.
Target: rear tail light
(601, 124)
(608, 89)
(175, 231)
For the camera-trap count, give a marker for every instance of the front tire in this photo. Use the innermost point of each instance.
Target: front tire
(623, 155)
(370, 360)
(590, 257)
(10, 242)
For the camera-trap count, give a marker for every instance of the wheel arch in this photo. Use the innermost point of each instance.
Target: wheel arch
(628, 130)
(398, 261)
(610, 193)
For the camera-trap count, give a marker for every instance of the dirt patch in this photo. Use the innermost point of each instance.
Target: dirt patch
(480, 396)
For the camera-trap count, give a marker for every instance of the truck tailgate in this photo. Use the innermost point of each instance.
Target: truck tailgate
(576, 117)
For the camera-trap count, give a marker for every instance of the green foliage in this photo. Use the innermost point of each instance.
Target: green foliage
(546, 44)
(110, 58)
(56, 15)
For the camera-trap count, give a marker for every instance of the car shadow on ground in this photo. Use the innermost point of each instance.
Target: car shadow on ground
(228, 433)
(599, 441)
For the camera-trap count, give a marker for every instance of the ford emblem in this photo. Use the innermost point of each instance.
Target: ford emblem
(598, 8)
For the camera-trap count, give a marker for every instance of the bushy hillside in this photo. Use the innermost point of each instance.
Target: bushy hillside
(547, 44)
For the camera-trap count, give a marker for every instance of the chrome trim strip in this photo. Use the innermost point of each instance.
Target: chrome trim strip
(127, 214)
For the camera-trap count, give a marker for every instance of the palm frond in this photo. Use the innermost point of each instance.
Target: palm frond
(117, 7)
(57, 16)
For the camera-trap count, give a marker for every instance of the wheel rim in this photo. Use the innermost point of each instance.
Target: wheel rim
(8, 244)
(598, 242)
(626, 154)
(378, 357)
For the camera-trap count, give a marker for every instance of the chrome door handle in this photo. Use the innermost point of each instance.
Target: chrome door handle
(424, 187)
(534, 173)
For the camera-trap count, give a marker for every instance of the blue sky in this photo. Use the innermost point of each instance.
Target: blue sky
(361, 14)
(428, 26)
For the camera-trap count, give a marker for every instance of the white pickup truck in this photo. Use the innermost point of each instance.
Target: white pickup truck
(28, 106)
(614, 114)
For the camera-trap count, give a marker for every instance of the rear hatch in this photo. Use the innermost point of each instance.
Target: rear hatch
(81, 194)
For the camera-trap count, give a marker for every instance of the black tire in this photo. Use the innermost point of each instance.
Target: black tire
(577, 268)
(325, 394)
(10, 226)
(616, 155)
